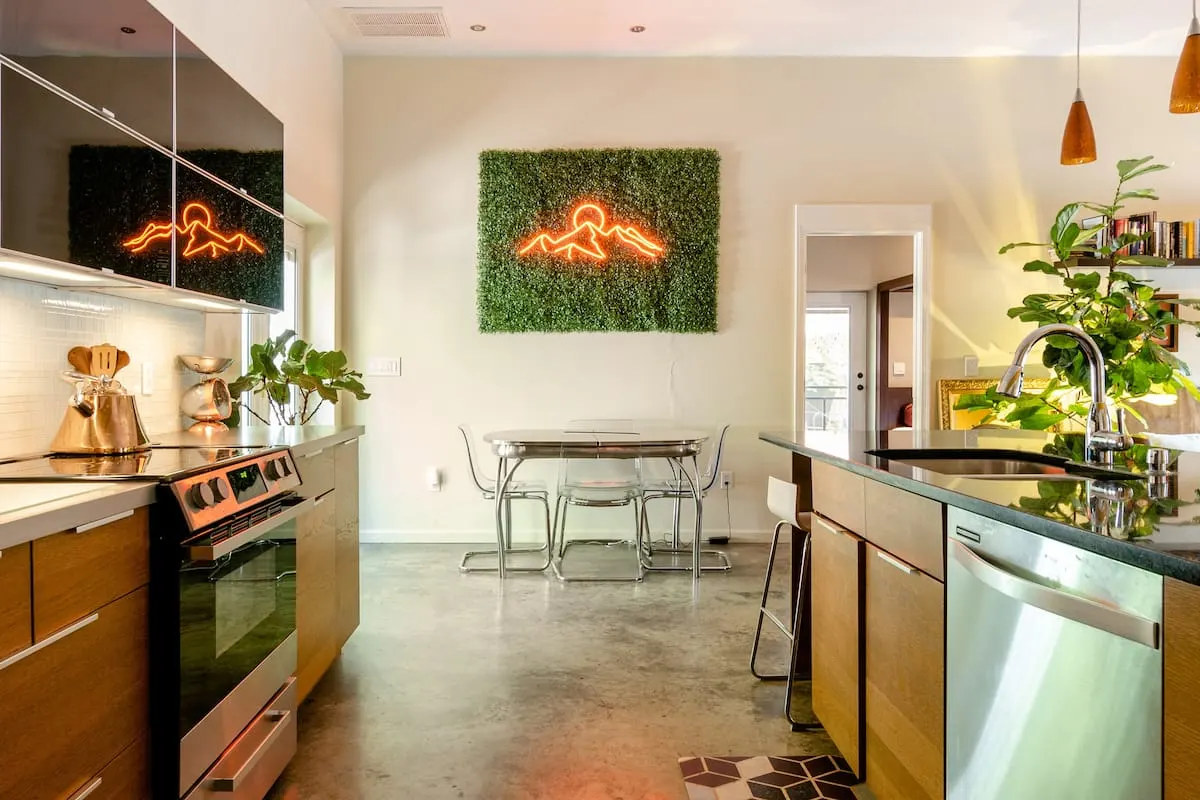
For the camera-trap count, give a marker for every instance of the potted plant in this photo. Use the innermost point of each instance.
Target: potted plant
(1117, 309)
(289, 372)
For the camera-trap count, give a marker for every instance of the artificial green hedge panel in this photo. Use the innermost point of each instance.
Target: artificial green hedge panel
(671, 195)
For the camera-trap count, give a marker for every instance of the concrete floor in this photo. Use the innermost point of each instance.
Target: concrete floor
(460, 686)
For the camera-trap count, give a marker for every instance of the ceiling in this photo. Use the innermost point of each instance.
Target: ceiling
(924, 28)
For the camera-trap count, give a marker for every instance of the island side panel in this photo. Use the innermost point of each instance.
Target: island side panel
(802, 477)
(1181, 689)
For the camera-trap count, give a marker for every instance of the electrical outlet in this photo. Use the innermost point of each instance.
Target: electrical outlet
(383, 367)
(726, 480)
(433, 479)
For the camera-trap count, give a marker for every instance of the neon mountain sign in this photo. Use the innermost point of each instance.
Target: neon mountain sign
(590, 236)
(202, 235)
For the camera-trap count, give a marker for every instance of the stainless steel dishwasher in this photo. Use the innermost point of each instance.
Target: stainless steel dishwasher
(1053, 669)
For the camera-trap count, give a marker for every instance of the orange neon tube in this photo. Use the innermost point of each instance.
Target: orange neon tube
(590, 221)
(202, 236)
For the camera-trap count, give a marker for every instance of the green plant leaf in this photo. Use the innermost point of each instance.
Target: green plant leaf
(1041, 266)
(297, 350)
(1014, 245)
(1146, 170)
(279, 393)
(1085, 282)
(1126, 167)
(1138, 194)
(1062, 221)
(334, 362)
(1143, 261)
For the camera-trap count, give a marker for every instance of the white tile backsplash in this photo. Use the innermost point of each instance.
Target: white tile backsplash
(39, 324)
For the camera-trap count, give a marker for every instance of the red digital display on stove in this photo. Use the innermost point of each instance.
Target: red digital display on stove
(247, 483)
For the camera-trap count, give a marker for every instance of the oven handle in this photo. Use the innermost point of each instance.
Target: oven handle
(277, 718)
(224, 548)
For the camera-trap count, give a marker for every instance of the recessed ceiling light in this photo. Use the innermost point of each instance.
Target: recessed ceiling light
(478, 28)
(46, 273)
(638, 28)
(127, 29)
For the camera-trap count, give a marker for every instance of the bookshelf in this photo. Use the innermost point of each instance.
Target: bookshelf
(1088, 261)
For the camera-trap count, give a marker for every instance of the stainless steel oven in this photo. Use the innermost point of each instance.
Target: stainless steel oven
(223, 632)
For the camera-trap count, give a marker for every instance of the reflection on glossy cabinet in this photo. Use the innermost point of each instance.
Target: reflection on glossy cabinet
(905, 680)
(1181, 689)
(16, 600)
(837, 585)
(347, 556)
(316, 593)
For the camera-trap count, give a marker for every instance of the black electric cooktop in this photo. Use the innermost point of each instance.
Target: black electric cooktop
(155, 464)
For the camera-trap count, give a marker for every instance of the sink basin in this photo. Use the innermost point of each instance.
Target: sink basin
(1002, 465)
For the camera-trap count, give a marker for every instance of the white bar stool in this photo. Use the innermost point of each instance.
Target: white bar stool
(782, 501)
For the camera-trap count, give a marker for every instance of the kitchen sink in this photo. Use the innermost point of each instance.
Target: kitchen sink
(1002, 465)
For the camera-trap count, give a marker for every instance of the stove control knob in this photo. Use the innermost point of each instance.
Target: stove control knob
(272, 470)
(200, 496)
(284, 466)
(220, 489)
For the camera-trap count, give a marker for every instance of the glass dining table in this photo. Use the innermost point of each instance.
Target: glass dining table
(678, 446)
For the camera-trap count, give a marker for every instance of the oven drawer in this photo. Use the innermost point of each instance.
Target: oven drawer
(75, 700)
(77, 571)
(257, 757)
(16, 600)
(317, 471)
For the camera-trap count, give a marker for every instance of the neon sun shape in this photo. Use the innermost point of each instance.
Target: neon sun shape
(590, 222)
(198, 227)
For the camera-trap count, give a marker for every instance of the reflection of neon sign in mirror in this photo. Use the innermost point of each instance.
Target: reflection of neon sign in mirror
(201, 230)
(591, 227)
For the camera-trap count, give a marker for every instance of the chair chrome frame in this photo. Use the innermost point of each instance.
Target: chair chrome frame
(508, 493)
(790, 522)
(680, 492)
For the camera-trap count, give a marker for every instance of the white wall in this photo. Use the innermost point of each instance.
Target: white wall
(857, 263)
(900, 338)
(978, 139)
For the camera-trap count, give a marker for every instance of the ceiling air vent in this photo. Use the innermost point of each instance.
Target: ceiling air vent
(375, 23)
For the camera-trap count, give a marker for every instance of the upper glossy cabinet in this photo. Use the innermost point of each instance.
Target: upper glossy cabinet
(112, 54)
(222, 129)
(74, 188)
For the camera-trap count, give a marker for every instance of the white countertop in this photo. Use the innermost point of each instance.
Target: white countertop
(302, 439)
(30, 511)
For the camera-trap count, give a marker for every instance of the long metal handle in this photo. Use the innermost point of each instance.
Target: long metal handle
(213, 552)
(819, 520)
(1061, 604)
(314, 453)
(231, 784)
(102, 522)
(87, 790)
(895, 562)
(57, 636)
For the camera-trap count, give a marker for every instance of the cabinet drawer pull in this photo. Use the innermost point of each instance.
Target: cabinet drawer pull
(275, 718)
(87, 790)
(895, 562)
(102, 522)
(313, 454)
(829, 527)
(346, 443)
(322, 498)
(49, 640)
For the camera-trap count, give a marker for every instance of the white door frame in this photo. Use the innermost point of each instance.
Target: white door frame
(868, 220)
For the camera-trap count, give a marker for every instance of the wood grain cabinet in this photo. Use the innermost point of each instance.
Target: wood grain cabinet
(837, 585)
(904, 614)
(16, 600)
(346, 557)
(316, 593)
(1181, 689)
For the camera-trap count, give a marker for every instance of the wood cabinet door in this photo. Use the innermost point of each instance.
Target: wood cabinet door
(837, 585)
(75, 702)
(905, 680)
(347, 556)
(16, 600)
(316, 593)
(1181, 689)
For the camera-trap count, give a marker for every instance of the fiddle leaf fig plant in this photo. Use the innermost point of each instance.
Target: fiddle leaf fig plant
(290, 373)
(1117, 309)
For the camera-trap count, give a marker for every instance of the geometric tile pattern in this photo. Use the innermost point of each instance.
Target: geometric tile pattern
(768, 778)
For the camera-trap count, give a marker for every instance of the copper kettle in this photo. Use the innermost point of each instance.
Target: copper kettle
(101, 417)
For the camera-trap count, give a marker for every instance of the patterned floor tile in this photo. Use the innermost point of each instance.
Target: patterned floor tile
(767, 778)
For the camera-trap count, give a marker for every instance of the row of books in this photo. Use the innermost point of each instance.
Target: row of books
(1174, 240)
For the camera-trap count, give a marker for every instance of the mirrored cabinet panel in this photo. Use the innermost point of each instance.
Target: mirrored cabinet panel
(222, 129)
(112, 54)
(75, 188)
(226, 245)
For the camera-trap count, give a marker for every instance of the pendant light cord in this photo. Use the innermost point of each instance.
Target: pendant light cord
(1079, 37)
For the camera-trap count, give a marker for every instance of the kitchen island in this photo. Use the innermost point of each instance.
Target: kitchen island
(887, 542)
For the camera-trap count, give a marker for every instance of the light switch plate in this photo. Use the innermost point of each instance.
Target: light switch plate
(148, 378)
(899, 368)
(383, 367)
(970, 366)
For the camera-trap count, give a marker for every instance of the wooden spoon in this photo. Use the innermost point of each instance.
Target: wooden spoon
(122, 361)
(104, 360)
(81, 359)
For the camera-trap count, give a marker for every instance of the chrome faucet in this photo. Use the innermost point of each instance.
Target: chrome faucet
(1103, 437)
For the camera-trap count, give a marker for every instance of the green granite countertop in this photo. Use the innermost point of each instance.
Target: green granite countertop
(1156, 528)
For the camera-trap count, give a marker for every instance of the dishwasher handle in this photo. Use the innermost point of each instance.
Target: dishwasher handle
(1062, 604)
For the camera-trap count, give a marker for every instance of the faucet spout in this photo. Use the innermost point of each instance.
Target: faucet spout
(1103, 437)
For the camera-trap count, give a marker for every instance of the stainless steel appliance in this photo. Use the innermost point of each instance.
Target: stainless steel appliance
(101, 417)
(1053, 669)
(223, 613)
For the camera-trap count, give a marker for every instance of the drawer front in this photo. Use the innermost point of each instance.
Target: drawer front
(127, 777)
(316, 593)
(837, 586)
(908, 526)
(839, 495)
(76, 572)
(75, 701)
(16, 600)
(317, 471)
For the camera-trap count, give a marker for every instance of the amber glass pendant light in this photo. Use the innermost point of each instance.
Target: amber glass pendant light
(1185, 90)
(1079, 140)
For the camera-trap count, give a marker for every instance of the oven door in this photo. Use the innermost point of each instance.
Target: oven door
(237, 642)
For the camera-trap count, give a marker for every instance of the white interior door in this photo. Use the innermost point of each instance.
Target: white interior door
(835, 367)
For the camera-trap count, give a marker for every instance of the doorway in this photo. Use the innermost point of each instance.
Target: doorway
(894, 353)
(835, 396)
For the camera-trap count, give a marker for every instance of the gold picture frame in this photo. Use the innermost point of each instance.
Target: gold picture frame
(950, 389)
